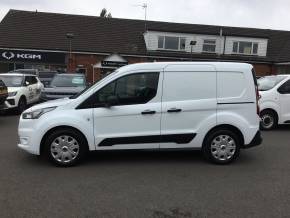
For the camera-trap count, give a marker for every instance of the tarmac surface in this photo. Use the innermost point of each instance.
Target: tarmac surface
(169, 184)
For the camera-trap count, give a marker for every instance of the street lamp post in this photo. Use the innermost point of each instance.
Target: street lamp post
(70, 37)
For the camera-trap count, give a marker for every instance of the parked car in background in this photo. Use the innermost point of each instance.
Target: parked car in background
(46, 77)
(64, 85)
(23, 89)
(26, 71)
(3, 93)
(274, 100)
(210, 106)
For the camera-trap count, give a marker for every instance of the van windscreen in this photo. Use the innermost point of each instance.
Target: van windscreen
(268, 82)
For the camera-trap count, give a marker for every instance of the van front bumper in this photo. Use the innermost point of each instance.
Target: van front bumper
(257, 140)
(28, 137)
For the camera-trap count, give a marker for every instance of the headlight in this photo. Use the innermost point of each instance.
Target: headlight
(10, 94)
(37, 113)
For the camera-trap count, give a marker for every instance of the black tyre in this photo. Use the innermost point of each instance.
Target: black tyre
(65, 147)
(221, 146)
(269, 120)
(22, 104)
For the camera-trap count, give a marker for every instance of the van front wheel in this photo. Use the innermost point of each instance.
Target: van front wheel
(221, 146)
(65, 147)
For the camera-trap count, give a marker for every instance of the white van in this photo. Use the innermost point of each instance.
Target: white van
(275, 100)
(188, 105)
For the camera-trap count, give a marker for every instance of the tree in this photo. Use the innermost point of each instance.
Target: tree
(105, 14)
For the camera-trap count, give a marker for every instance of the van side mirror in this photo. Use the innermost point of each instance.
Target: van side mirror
(112, 100)
(26, 83)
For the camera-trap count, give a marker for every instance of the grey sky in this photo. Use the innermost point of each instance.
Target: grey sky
(269, 14)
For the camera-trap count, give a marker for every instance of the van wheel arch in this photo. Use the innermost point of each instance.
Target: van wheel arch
(273, 110)
(226, 127)
(43, 140)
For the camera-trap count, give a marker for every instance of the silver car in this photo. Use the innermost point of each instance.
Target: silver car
(64, 85)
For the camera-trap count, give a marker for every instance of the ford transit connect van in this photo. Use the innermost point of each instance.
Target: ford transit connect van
(188, 105)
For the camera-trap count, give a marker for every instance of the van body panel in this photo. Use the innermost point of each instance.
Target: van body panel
(192, 90)
(237, 100)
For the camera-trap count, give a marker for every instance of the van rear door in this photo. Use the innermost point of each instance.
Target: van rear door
(188, 104)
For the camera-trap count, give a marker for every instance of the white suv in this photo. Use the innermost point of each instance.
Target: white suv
(207, 106)
(274, 100)
(23, 89)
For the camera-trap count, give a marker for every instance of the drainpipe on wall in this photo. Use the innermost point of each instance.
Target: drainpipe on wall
(225, 40)
(221, 38)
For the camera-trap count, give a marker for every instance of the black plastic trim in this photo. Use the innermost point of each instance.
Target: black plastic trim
(175, 138)
(257, 140)
(174, 110)
(148, 112)
(11, 101)
(250, 102)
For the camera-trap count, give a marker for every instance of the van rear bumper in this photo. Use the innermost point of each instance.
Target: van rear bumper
(257, 140)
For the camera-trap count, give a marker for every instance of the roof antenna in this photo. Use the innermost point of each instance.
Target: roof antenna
(144, 6)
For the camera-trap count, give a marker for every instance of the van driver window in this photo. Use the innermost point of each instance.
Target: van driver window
(137, 88)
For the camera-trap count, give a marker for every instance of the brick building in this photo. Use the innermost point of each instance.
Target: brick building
(96, 46)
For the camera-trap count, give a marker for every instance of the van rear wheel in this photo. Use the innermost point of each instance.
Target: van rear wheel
(65, 147)
(221, 146)
(268, 120)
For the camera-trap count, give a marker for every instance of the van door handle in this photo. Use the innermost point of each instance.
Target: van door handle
(174, 110)
(148, 112)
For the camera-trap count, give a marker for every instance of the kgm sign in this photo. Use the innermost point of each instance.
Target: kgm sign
(11, 55)
(32, 56)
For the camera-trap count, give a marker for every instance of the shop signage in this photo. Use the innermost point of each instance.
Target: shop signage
(113, 64)
(32, 56)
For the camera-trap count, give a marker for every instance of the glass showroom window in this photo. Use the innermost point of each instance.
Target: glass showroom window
(171, 43)
(249, 48)
(209, 45)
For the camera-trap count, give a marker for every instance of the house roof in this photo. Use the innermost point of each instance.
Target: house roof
(47, 31)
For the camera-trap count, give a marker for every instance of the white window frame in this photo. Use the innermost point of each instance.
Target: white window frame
(212, 44)
(179, 43)
(238, 48)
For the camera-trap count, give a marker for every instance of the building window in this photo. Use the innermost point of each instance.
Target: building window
(182, 44)
(161, 42)
(171, 43)
(249, 48)
(209, 45)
